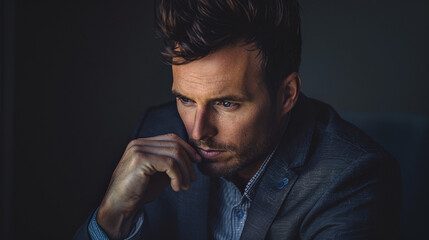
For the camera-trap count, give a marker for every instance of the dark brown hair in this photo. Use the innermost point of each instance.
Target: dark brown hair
(192, 29)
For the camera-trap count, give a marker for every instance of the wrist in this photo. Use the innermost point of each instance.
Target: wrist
(115, 223)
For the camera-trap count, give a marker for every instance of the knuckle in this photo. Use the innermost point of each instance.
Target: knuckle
(173, 135)
(137, 157)
(176, 150)
(133, 148)
(131, 143)
(134, 141)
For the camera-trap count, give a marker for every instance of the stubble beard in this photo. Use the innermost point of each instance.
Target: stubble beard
(238, 159)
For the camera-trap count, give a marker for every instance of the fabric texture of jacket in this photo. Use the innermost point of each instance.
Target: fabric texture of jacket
(327, 180)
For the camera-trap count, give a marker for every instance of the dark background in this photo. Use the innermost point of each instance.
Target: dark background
(75, 77)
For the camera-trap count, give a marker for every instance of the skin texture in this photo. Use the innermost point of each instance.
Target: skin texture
(226, 108)
(147, 166)
(231, 123)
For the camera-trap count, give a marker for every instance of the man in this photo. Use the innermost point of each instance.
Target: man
(270, 162)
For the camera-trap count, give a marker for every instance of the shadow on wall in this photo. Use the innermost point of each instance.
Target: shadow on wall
(406, 137)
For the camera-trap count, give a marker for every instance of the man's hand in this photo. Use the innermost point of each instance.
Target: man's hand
(146, 168)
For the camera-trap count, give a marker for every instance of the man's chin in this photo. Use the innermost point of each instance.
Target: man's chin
(213, 169)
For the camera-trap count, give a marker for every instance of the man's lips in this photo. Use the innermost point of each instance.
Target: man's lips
(209, 153)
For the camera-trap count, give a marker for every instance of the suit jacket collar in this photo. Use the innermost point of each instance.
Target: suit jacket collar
(280, 176)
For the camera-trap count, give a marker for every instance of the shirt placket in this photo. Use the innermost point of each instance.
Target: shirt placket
(238, 215)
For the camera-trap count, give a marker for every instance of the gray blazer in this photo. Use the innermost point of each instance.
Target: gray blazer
(327, 180)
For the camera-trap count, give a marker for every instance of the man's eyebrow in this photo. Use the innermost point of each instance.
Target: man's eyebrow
(220, 98)
(177, 94)
(229, 98)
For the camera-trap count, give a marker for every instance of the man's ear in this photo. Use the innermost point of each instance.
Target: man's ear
(288, 93)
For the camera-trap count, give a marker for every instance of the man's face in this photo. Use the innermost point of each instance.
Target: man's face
(225, 106)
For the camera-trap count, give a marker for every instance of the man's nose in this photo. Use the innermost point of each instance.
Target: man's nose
(204, 126)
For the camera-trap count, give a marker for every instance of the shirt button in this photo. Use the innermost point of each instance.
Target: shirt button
(282, 183)
(239, 214)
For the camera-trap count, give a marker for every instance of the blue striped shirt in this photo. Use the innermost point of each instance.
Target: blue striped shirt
(231, 206)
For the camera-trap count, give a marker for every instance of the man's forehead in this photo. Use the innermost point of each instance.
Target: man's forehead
(209, 89)
(230, 69)
(226, 60)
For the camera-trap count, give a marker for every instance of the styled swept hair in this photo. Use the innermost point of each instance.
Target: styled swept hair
(192, 29)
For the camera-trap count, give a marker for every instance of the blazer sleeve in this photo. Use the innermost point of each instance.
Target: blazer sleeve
(362, 203)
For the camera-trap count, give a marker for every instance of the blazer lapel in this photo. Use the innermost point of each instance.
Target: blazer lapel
(279, 177)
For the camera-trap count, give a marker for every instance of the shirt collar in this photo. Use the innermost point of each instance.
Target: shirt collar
(250, 189)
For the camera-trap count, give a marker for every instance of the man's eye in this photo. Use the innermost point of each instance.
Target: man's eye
(227, 104)
(184, 100)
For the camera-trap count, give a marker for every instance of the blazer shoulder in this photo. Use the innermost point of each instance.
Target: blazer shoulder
(339, 147)
(343, 138)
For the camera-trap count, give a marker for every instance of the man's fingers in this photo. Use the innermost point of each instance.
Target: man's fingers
(170, 145)
(173, 137)
(172, 150)
(177, 153)
(170, 167)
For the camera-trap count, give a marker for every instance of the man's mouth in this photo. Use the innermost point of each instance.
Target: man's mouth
(209, 153)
